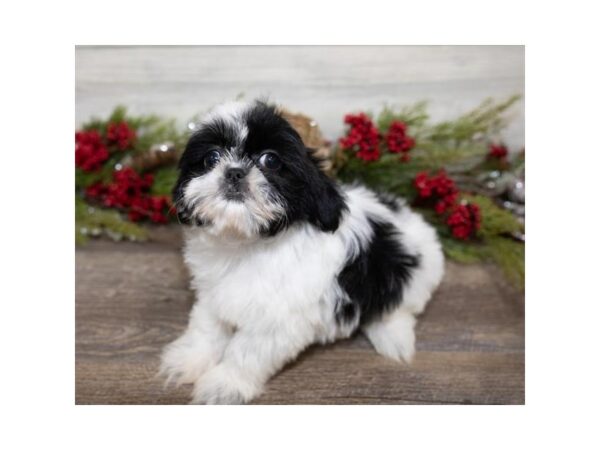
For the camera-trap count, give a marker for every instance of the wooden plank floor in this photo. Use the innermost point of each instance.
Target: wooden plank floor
(132, 299)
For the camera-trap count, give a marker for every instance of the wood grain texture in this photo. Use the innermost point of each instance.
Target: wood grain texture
(132, 299)
(324, 82)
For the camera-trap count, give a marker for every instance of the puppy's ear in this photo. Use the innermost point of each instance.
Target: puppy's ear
(183, 214)
(327, 203)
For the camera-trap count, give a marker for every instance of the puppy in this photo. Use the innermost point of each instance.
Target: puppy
(281, 257)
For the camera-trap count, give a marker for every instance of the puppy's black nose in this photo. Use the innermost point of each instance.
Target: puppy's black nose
(235, 174)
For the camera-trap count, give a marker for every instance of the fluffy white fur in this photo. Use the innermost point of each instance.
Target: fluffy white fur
(261, 301)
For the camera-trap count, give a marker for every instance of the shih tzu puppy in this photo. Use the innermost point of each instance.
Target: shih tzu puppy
(281, 257)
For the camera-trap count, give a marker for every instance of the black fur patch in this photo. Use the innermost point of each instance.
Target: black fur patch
(374, 280)
(347, 312)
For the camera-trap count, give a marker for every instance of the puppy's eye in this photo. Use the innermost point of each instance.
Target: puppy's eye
(211, 159)
(270, 160)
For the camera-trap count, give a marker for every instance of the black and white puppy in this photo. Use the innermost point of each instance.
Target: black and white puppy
(281, 257)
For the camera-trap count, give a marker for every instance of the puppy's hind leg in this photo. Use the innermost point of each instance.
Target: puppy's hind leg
(393, 335)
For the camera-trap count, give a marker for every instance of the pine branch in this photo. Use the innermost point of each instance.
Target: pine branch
(94, 221)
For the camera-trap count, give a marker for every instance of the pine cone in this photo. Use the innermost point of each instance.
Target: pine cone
(159, 155)
(312, 137)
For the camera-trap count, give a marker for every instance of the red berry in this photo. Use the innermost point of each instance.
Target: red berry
(129, 192)
(441, 192)
(121, 134)
(398, 141)
(498, 151)
(464, 220)
(90, 151)
(362, 137)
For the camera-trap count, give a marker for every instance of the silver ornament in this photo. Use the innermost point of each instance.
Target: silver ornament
(516, 191)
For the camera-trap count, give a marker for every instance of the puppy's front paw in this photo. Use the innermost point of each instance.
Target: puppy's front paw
(185, 360)
(225, 386)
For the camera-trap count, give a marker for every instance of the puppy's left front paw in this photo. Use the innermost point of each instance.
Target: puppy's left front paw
(224, 386)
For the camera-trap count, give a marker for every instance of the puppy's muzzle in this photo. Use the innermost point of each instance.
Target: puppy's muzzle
(235, 183)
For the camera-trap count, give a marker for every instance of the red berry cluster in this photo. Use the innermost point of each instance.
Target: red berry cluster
(464, 220)
(363, 136)
(90, 151)
(120, 134)
(498, 151)
(398, 141)
(129, 191)
(440, 190)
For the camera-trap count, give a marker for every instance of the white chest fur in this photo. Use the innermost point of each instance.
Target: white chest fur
(267, 281)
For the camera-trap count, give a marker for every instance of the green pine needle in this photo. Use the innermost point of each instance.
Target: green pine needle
(164, 181)
(93, 221)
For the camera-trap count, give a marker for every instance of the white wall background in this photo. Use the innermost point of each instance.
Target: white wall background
(323, 82)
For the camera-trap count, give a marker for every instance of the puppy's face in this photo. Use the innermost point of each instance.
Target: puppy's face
(246, 173)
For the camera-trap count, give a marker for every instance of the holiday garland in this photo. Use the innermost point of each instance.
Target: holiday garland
(449, 172)
(124, 170)
(458, 174)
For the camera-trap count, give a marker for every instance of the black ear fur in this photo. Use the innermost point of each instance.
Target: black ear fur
(327, 203)
(183, 215)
